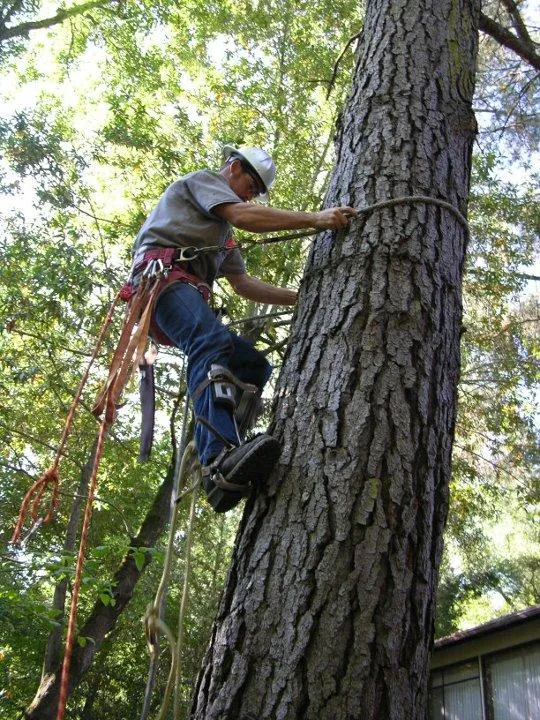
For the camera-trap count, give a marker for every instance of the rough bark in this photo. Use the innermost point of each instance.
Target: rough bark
(328, 609)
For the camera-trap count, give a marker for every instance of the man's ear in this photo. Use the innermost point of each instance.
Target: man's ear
(236, 167)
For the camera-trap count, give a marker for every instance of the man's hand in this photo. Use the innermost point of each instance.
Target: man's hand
(334, 218)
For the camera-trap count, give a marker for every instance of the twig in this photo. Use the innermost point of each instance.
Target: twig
(340, 58)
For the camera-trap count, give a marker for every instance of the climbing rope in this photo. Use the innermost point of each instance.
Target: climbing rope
(153, 621)
(246, 245)
(72, 623)
(184, 601)
(159, 603)
(51, 476)
(126, 357)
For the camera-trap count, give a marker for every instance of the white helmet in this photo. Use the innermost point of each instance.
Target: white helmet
(258, 160)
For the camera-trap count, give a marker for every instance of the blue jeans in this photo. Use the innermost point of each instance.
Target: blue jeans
(186, 319)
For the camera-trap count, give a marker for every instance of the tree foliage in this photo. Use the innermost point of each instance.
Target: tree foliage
(103, 103)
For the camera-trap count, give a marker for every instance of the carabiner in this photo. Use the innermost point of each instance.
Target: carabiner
(153, 269)
(188, 253)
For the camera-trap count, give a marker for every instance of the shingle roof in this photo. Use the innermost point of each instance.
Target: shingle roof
(501, 623)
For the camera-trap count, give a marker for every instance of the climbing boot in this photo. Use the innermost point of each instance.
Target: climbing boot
(236, 471)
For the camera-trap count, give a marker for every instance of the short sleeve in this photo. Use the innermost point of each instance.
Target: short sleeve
(209, 189)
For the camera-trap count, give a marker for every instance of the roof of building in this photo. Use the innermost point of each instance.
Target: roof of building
(501, 623)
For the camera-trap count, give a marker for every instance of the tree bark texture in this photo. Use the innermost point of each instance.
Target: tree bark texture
(328, 609)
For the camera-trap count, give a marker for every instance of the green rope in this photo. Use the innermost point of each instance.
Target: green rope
(184, 601)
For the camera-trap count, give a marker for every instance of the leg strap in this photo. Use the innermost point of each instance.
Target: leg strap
(223, 384)
(228, 444)
(213, 473)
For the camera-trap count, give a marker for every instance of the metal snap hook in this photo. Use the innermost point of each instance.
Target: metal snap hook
(188, 253)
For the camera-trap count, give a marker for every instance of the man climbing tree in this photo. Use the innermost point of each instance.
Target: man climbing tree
(190, 230)
(329, 606)
(328, 611)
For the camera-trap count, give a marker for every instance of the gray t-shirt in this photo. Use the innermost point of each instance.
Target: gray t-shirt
(183, 217)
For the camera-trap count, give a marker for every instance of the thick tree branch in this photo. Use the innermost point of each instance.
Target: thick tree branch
(350, 41)
(517, 21)
(23, 29)
(526, 50)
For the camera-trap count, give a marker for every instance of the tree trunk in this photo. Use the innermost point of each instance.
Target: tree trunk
(53, 649)
(328, 609)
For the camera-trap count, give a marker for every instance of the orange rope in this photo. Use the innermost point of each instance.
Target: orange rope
(130, 348)
(127, 354)
(50, 477)
(72, 623)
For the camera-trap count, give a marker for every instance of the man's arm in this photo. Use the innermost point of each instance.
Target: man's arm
(261, 218)
(255, 289)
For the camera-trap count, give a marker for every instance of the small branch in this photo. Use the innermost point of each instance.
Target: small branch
(23, 29)
(521, 276)
(517, 21)
(32, 438)
(338, 61)
(255, 318)
(98, 498)
(112, 221)
(14, 468)
(24, 333)
(498, 468)
(525, 50)
(522, 92)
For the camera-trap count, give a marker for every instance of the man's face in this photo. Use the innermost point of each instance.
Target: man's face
(243, 182)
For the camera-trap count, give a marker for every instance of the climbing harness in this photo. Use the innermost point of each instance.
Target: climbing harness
(167, 262)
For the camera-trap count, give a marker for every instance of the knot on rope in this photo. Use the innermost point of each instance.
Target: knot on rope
(151, 622)
(126, 292)
(49, 479)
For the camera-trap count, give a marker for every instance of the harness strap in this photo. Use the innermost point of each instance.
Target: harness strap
(148, 407)
(229, 445)
(220, 482)
(219, 372)
(173, 263)
(213, 473)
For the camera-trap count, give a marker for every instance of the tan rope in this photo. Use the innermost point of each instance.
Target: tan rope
(152, 621)
(246, 245)
(184, 601)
